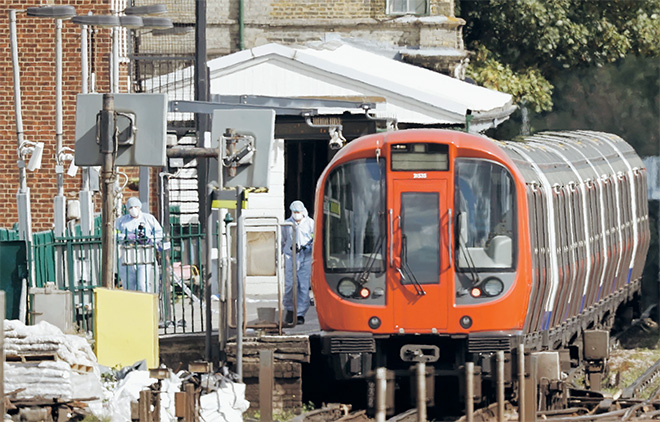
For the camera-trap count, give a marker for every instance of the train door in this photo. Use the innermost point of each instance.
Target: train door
(420, 257)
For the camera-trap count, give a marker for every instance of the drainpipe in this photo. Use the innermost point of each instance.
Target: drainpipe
(241, 25)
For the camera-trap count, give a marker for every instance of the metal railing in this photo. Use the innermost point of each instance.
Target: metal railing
(172, 268)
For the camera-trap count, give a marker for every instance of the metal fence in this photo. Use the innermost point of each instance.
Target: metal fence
(171, 266)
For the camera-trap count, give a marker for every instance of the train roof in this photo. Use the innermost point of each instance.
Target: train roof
(557, 158)
(573, 157)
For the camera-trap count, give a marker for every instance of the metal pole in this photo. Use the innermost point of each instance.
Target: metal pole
(59, 202)
(500, 385)
(23, 194)
(521, 380)
(208, 276)
(107, 140)
(222, 315)
(240, 261)
(114, 82)
(381, 394)
(201, 86)
(165, 219)
(86, 205)
(421, 392)
(469, 391)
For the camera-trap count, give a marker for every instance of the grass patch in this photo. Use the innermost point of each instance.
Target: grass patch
(626, 365)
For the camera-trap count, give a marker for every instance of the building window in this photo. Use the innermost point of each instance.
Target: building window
(406, 7)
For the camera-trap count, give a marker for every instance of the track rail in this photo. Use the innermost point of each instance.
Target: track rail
(640, 384)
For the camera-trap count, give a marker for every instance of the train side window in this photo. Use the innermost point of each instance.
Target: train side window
(486, 214)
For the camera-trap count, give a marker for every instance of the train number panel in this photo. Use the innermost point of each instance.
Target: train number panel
(418, 267)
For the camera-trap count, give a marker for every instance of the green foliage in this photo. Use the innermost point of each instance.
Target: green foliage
(527, 87)
(523, 44)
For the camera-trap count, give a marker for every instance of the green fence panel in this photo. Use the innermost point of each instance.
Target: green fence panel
(13, 269)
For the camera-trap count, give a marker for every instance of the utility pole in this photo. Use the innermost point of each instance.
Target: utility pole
(203, 127)
(107, 141)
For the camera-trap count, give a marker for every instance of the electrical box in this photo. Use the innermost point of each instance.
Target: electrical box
(245, 138)
(141, 129)
(53, 306)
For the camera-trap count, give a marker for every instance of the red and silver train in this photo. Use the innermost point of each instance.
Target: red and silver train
(448, 247)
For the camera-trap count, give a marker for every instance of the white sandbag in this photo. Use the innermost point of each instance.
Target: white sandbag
(226, 404)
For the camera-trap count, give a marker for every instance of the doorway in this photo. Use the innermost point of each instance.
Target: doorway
(304, 161)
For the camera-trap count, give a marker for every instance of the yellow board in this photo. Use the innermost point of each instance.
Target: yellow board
(126, 327)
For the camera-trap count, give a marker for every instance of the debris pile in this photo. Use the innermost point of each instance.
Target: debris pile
(43, 362)
(57, 376)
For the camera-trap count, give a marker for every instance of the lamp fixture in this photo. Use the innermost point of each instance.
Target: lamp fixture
(34, 148)
(53, 12)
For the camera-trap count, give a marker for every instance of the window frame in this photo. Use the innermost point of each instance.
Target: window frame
(410, 8)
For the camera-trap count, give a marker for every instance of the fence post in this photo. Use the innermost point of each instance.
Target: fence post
(266, 385)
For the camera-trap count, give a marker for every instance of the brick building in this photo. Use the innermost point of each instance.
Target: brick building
(424, 32)
(36, 51)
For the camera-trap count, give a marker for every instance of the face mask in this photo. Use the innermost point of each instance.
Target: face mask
(297, 216)
(134, 212)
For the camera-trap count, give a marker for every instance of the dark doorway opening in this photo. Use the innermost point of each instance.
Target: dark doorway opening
(304, 161)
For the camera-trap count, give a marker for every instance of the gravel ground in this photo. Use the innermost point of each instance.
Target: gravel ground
(632, 356)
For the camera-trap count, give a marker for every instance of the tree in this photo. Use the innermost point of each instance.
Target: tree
(522, 45)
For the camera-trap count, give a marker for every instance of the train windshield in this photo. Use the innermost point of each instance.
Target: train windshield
(485, 204)
(354, 217)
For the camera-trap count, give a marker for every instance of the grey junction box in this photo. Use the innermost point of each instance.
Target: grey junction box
(147, 146)
(53, 306)
(257, 124)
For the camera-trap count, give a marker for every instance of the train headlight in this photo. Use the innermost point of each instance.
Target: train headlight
(347, 287)
(492, 286)
(364, 293)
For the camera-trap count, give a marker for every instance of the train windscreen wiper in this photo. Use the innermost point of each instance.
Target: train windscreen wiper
(474, 275)
(364, 276)
(407, 270)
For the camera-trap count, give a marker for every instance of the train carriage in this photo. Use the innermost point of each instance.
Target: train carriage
(446, 247)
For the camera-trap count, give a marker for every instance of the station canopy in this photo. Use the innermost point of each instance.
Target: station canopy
(336, 70)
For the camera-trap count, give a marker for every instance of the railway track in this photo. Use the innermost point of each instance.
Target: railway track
(624, 405)
(627, 405)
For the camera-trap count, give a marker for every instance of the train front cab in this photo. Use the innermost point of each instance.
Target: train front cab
(415, 255)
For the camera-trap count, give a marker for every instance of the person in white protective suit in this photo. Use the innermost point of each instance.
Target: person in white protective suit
(139, 235)
(303, 250)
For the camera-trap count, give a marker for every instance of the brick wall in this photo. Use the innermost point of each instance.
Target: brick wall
(301, 21)
(36, 51)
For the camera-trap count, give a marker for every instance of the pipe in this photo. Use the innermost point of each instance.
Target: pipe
(86, 205)
(381, 394)
(114, 88)
(469, 391)
(521, 380)
(241, 25)
(500, 385)
(107, 129)
(208, 278)
(23, 194)
(114, 82)
(59, 202)
(17, 95)
(421, 392)
(84, 61)
(240, 295)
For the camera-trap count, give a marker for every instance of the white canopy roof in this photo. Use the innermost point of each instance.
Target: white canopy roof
(337, 70)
